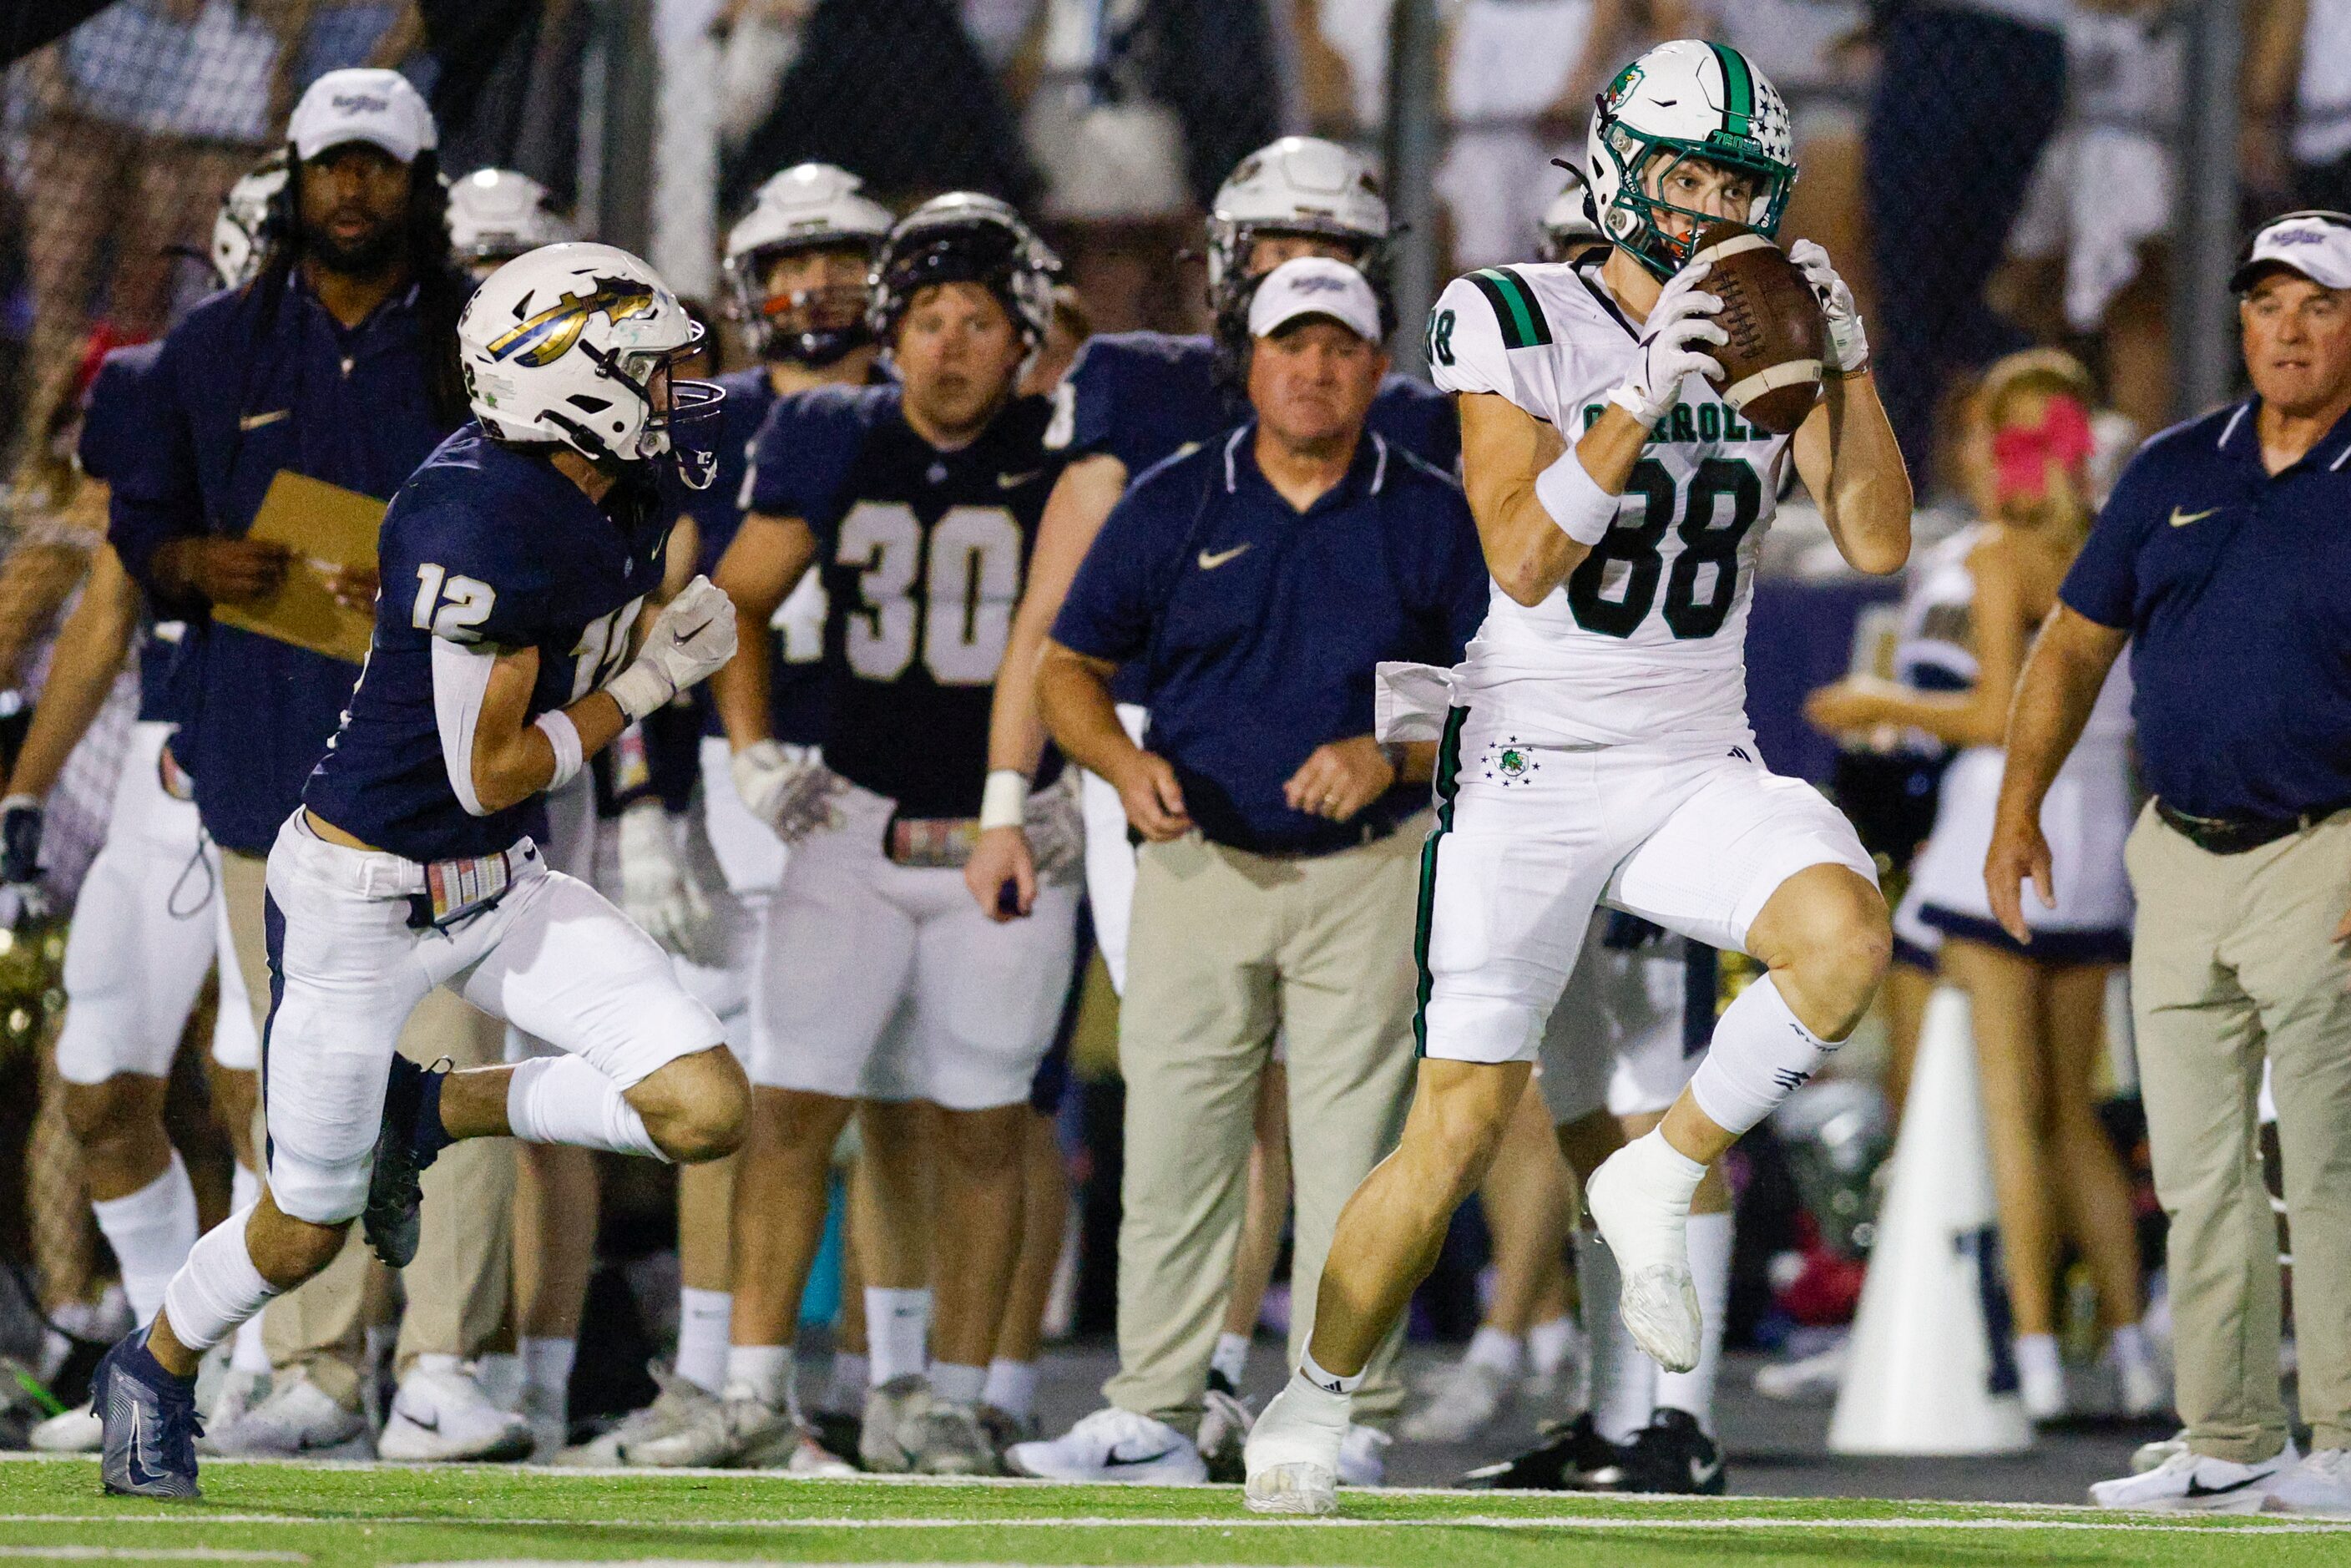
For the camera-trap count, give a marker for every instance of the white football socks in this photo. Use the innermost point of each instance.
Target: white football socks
(250, 1355)
(1762, 1054)
(845, 1386)
(1011, 1388)
(1710, 1239)
(1618, 1376)
(1550, 1344)
(546, 1372)
(953, 1383)
(704, 1317)
(217, 1287)
(562, 1100)
(151, 1231)
(762, 1373)
(1495, 1349)
(897, 1332)
(1231, 1358)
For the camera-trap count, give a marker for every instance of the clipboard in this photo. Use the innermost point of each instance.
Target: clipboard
(323, 527)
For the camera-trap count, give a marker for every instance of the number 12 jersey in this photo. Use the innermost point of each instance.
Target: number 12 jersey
(1646, 639)
(923, 555)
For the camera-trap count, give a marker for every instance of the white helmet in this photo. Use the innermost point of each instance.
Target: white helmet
(805, 207)
(1300, 185)
(561, 345)
(965, 238)
(1567, 225)
(1685, 99)
(247, 226)
(495, 214)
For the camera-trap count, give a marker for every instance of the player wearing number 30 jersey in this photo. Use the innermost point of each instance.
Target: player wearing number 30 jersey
(1593, 746)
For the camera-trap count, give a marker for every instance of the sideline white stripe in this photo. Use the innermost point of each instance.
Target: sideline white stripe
(153, 1553)
(2138, 1524)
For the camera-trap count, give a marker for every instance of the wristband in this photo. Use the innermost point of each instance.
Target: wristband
(639, 689)
(564, 735)
(1004, 803)
(1583, 511)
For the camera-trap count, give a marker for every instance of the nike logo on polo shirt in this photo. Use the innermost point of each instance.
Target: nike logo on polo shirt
(1014, 481)
(255, 420)
(2180, 519)
(1210, 560)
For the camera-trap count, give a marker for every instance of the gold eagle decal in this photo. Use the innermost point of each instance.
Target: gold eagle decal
(539, 340)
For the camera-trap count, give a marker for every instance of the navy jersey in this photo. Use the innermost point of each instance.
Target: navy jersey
(923, 555)
(119, 426)
(1140, 396)
(485, 545)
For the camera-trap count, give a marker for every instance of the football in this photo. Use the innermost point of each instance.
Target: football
(1771, 364)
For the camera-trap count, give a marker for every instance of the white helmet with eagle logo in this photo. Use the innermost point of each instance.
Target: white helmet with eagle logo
(1685, 99)
(562, 345)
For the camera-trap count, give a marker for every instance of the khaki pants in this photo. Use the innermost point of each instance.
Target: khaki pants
(467, 1248)
(1228, 948)
(2234, 959)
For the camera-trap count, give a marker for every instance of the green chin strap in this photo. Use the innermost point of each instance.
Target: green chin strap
(1649, 242)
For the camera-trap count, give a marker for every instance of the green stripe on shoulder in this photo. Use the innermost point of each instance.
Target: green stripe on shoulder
(1737, 90)
(1515, 307)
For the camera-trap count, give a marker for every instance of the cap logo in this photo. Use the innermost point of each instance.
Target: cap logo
(1314, 283)
(2298, 236)
(361, 103)
(540, 339)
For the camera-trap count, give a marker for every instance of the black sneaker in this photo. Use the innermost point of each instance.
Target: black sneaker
(408, 1140)
(1673, 1454)
(150, 1424)
(1569, 1456)
(838, 1431)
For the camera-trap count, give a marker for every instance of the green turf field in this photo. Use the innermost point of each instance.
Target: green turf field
(330, 1515)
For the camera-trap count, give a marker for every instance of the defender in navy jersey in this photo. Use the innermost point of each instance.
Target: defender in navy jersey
(506, 651)
(919, 505)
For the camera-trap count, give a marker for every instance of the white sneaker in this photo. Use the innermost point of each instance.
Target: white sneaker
(298, 1418)
(677, 1404)
(1462, 1402)
(1362, 1456)
(1113, 1445)
(71, 1432)
(1293, 1458)
(441, 1414)
(891, 1433)
(2320, 1484)
(1658, 1302)
(2041, 1386)
(2147, 1456)
(1807, 1378)
(239, 1392)
(2191, 1482)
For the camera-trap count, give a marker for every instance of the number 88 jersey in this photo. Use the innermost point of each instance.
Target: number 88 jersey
(1647, 637)
(922, 554)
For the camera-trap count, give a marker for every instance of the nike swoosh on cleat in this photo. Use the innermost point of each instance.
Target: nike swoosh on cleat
(431, 1426)
(1701, 1474)
(2198, 1489)
(1114, 1461)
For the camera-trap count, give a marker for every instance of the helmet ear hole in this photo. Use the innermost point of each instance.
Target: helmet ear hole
(592, 404)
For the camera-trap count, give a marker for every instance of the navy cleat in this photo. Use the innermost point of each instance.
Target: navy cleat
(410, 1138)
(150, 1424)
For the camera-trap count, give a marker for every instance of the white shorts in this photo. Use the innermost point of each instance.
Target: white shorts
(552, 958)
(1110, 857)
(570, 848)
(1529, 839)
(850, 941)
(1616, 1042)
(144, 930)
(2087, 817)
(237, 1044)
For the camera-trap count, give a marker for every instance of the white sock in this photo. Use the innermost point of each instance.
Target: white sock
(760, 1371)
(250, 1355)
(150, 1232)
(897, 1332)
(1012, 1387)
(1709, 1239)
(499, 1374)
(1493, 1347)
(1320, 1398)
(1326, 1383)
(2128, 1344)
(547, 1369)
(952, 1383)
(217, 1287)
(1620, 1376)
(562, 1100)
(1762, 1054)
(704, 1317)
(1549, 1344)
(1231, 1358)
(844, 1390)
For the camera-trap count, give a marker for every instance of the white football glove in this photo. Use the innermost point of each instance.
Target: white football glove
(659, 890)
(1680, 321)
(691, 636)
(787, 788)
(1055, 826)
(1848, 344)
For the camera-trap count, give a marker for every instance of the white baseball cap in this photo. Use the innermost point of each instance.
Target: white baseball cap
(362, 104)
(1315, 285)
(2315, 244)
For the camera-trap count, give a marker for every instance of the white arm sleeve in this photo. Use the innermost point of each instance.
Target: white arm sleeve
(461, 678)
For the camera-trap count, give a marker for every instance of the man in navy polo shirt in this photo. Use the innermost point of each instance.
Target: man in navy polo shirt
(1256, 582)
(2224, 558)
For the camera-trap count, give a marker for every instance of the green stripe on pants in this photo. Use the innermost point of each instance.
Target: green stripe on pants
(1448, 784)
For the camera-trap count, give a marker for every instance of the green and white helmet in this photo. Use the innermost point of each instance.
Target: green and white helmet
(1687, 99)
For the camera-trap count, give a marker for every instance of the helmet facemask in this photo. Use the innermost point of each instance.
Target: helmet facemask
(681, 426)
(1635, 219)
(813, 327)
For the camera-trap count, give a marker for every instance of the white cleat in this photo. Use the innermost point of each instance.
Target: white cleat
(76, 1431)
(2320, 1485)
(1362, 1456)
(1808, 1378)
(677, 1404)
(440, 1414)
(2147, 1456)
(1658, 1302)
(239, 1392)
(890, 1438)
(298, 1419)
(1113, 1445)
(2197, 1483)
(1463, 1401)
(1293, 1458)
(739, 1434)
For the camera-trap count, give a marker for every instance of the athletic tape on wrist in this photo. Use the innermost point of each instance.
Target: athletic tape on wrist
(564, 735)
(1004, 803)
(1583, 511)
(640, 689)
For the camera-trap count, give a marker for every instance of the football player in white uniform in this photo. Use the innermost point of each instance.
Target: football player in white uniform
(1594, 745)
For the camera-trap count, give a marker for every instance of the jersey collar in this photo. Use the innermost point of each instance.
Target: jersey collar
(1367, 470)
(2240, 437)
